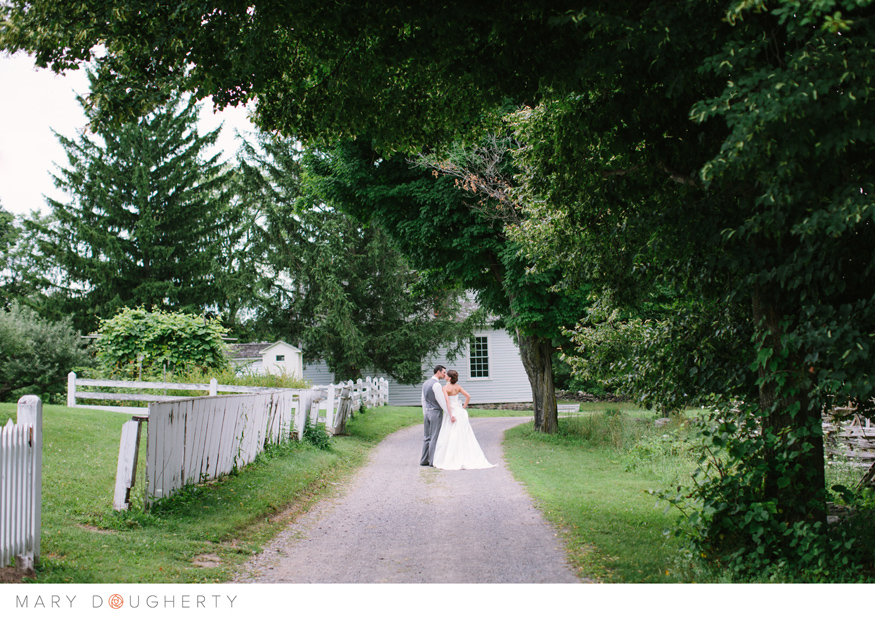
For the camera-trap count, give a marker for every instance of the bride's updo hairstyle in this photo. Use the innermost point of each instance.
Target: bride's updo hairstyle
(453, 375)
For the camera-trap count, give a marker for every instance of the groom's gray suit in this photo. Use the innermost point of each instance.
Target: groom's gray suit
(432, 412)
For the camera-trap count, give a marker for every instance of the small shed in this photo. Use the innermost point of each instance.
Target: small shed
(265, 357)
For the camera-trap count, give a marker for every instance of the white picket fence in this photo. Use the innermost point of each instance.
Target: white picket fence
(371, 391)
(192, 440)
(21, 485)
(74, 395)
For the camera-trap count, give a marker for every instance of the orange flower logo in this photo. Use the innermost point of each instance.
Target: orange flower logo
(116, 601)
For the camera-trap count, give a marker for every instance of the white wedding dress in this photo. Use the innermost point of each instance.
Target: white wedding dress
(457, 447)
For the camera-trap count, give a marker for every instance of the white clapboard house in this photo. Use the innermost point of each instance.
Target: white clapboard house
(490, 370)
(265, 357)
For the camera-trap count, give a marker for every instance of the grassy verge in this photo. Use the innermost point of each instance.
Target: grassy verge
(591, 480)
(199, 535)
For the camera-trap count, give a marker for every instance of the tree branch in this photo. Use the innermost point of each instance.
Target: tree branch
(677, 176)
(481, 172)
(621, 172)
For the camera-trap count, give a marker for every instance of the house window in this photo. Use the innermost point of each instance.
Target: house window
(280, 358)
(479, 357)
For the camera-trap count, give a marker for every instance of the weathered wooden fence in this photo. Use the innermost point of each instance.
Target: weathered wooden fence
(191, 440)
(371, 392)
(21, 485)
(849, 437)
(203, 438)
(340, 401)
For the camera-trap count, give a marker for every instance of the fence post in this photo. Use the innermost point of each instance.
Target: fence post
(329, 407)
(126, 470)
(304, 399)
(71, 389)
(30, 412)
(344, 408)
(214, 387)
(313, 411)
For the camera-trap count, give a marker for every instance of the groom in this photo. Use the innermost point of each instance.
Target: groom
(433, 406)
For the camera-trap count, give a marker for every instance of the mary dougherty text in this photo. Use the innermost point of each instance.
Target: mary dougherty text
(133, 601)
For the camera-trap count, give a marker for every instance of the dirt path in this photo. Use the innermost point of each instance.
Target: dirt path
(398, 522)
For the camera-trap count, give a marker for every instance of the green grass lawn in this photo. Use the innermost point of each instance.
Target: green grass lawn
(588, 482)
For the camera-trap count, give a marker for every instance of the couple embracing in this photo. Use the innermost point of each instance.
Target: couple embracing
(449, 443)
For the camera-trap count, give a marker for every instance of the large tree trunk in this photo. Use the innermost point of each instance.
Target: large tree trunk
(537, 356)
(798, 491)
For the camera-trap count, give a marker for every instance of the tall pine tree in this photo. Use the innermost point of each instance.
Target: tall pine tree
(147, 213)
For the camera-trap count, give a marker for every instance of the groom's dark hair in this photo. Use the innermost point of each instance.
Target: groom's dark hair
(439, 368)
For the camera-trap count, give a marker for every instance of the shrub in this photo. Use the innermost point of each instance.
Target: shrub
(735, 529)
(137, 342)
(315, 435)
(36, 354)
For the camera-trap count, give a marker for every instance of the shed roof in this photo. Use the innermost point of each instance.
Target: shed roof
(253, 350)
(248, 350)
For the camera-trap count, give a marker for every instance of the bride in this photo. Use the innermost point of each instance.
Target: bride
(457, 448)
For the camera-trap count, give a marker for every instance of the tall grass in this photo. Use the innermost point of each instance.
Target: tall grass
(610, 428)
(231, 376)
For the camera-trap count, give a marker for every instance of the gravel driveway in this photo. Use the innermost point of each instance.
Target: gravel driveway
(398, 522)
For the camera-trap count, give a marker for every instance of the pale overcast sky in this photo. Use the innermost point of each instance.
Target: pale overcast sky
(36, 101)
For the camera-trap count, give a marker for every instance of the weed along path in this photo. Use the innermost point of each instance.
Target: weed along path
(397, 522)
